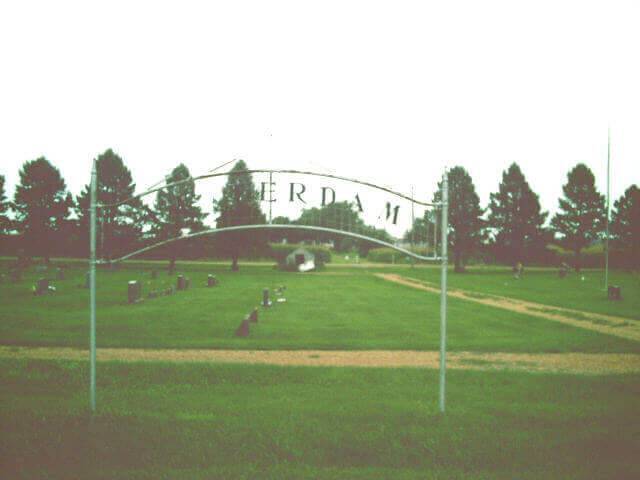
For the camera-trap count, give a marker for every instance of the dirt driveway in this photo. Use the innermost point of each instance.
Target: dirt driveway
(617, 326)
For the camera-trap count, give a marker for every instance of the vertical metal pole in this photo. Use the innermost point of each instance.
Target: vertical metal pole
(270, 194)
(435, 233)
(413, 226)
(443, 289)
(606, 241)
(92, 288)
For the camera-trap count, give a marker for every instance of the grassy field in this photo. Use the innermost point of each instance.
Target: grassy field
(337, 309)
(200, 421)
(188, 421)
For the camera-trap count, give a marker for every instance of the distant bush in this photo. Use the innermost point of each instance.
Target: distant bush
(389, 255)
(592, 257)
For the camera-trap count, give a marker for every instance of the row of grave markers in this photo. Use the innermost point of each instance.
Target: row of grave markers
(134, 290)
(243, 329)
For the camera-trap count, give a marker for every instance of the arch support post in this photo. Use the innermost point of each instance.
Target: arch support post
(443, 289)
(92, 289)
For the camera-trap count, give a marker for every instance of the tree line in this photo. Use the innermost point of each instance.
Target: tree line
(514, 229)
(47, 219)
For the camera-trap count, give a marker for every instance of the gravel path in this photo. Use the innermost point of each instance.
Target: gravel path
(578, 363)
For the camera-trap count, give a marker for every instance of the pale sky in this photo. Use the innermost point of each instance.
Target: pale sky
(389, 92)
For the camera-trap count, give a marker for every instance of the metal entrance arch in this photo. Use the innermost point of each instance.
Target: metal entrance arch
(443, 205)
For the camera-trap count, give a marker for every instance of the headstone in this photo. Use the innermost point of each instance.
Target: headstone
(42, 286)
(265, 298)
(212, 281)
(134, 291)
(180, 284)
(59, 273)
(15, 275)
(614, 292)
(169, 291)
(253, 316)
(243, 329)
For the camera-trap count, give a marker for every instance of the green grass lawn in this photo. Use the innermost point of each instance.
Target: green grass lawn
(233, 421)
(201, 421)
(544, 286)
(338, 309)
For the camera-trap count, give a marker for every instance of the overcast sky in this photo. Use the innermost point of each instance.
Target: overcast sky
(389, 92)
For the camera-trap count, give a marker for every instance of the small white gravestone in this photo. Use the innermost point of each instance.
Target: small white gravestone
(306, 266)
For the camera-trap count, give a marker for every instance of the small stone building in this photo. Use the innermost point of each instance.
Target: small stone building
(301, 259)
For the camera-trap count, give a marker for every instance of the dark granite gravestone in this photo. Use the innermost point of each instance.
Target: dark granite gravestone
(614, 292)
(265, 298)
(253, 316)
(134, 291)
(42, 286)
(212, 281)
(181, 283)
(243, 329)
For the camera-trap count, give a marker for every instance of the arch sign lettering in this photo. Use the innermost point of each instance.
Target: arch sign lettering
(311, 203)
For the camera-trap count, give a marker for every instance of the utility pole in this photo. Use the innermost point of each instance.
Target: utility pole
(443, 289)
(92, 288)
(606, 240)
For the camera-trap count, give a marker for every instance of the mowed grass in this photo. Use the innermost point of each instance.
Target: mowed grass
(336, 309)
(584, 291)
(232, 421)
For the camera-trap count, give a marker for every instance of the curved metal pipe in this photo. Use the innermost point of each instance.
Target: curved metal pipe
(293, 172)
(236, 228)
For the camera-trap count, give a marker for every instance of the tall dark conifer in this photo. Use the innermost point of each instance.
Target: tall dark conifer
(119, 228)
(5, 224)
(515, 218)
(176, 209)
(465, 223)
(238, 205)
(625, 225)
(42, 204)
(580, 219)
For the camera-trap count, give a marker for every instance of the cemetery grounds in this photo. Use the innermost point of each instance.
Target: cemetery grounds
(339, 381)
